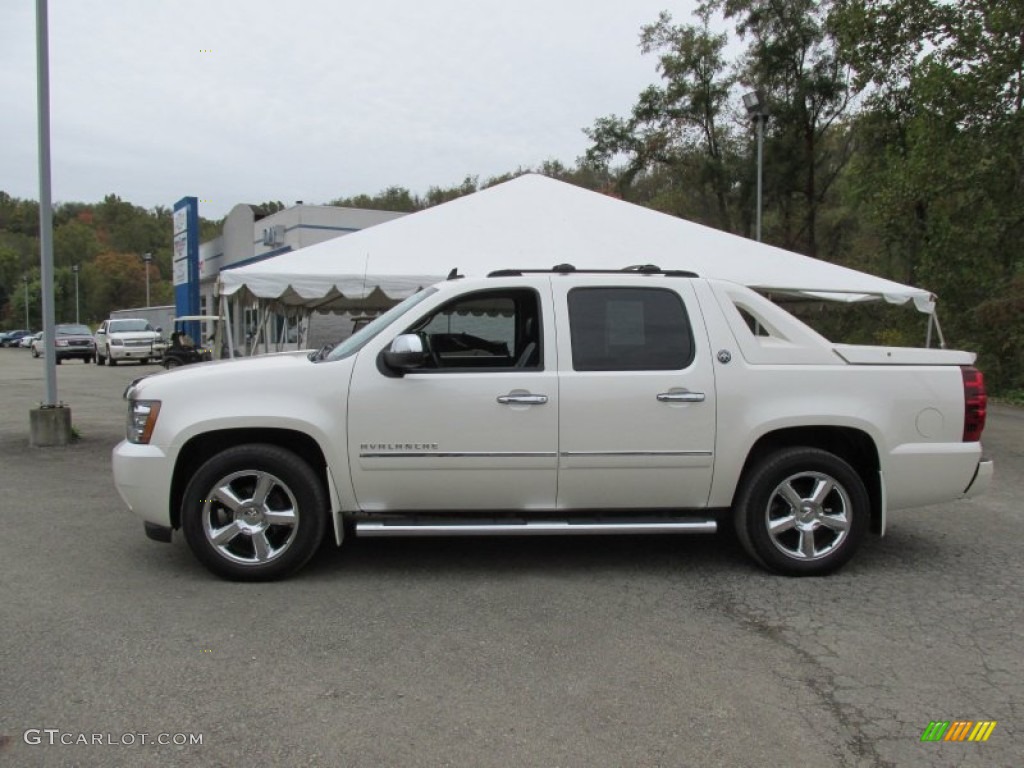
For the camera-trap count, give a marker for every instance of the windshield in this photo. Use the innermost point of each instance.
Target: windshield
(71, 329)
(122, 326)
(364, 335)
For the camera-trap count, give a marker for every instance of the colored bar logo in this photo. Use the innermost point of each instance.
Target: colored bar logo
(958, 730)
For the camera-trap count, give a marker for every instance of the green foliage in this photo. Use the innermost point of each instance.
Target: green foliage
(391, 199)
(106, 240)
(677, 130)
(939, 173)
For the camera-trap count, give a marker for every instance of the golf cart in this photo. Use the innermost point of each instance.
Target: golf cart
(182, 349)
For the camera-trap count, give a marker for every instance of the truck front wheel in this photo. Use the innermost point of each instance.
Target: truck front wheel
(254, 513)
(802, 512)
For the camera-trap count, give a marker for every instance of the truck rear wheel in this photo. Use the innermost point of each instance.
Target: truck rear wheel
(802, 512)
(254, 513)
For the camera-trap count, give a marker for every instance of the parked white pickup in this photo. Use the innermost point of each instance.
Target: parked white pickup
(126, 338)
(555, 403)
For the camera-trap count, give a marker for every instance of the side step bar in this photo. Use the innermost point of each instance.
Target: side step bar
(534, 528)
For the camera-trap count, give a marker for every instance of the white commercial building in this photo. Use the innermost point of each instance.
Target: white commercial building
(247, 239)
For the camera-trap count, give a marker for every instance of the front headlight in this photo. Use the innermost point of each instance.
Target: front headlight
(117, 342)
(141, 420)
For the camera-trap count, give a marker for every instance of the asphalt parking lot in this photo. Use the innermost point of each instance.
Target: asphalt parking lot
(651, 651)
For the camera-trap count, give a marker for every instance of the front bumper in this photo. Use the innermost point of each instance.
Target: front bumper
(66, 353)
(142, 474)
(134, 353)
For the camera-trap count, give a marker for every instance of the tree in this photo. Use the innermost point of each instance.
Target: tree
(679, 127)
(391, 199)
(941, 166)
(793, 57)
(74, 243)
(113, 281)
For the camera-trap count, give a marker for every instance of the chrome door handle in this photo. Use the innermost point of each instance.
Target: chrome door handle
(681, 397)
(522, 399)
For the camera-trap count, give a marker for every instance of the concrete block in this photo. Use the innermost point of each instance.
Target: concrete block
(49, 426)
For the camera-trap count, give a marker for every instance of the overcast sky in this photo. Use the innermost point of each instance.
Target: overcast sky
(250, 100)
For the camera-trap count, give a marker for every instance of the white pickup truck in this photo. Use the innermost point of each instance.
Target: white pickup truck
(555, 402)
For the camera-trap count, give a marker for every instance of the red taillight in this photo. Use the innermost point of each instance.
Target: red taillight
(975, 403)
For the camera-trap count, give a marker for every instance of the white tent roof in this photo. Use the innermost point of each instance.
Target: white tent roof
(534, 222)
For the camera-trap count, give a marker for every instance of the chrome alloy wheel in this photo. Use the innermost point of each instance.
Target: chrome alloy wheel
(250, 517)
(807, 515)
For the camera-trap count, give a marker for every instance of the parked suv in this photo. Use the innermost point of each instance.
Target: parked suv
(127, 339)
(71, 339)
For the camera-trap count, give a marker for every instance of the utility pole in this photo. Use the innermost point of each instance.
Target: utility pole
(50, 423)
(75, 270)
(147, 258)
(757, 108)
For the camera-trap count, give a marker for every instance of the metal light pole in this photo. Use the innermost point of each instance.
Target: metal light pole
(147, 258)
(74, 269)
(757, 108)
(24, 279)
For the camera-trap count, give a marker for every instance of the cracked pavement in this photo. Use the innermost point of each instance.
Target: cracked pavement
(646, 651)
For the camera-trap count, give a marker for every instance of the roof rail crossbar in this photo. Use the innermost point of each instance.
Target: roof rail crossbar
(568, 269)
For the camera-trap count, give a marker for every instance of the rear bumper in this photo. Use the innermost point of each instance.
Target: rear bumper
(922, 474)
(982, 479)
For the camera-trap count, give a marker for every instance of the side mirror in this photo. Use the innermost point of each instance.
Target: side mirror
(405, 353)
(159, 329)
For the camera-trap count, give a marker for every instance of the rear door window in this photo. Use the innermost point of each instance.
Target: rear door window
(629, 329)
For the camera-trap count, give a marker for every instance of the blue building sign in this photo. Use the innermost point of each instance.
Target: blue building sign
(185, 261)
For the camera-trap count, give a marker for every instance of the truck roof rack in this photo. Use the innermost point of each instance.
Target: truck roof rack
(567, 269)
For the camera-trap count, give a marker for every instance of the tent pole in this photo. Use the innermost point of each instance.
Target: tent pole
(254, 349)
(254, 341)
(225, 307)
(938, 329)
(263, 331)
(928, 331)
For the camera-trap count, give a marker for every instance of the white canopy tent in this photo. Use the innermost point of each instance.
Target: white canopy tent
(533, 222)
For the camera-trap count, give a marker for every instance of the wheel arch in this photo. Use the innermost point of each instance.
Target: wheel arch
(854, 446)
(200, 448)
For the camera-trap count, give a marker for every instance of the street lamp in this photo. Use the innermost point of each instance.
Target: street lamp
(757, 108)
(74, 269)
(25, 280)
(147, 258)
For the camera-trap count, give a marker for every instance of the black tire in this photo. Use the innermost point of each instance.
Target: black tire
(237, 540)
(172, 362)
(35, 352)
(819, 507)
(58, 360)
(110, 361)
(144, 361)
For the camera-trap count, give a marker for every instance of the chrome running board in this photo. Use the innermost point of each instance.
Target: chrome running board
(532, 528)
